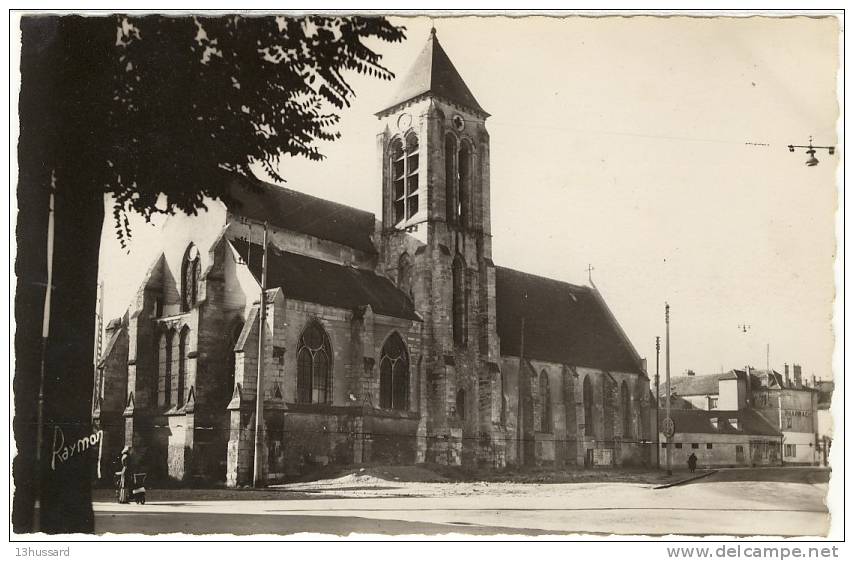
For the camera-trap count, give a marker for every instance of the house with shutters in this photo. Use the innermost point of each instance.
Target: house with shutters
(788, 403)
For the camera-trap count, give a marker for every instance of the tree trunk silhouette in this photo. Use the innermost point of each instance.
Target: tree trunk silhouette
(65, 490)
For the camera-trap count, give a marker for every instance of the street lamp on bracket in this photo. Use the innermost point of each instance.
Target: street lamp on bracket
(812, 161)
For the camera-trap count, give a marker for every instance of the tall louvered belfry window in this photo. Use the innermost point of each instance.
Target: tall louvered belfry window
(404, 170)
(314, 366)
(394, 374)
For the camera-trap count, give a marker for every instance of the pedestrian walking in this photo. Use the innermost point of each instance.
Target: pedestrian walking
(692, 462)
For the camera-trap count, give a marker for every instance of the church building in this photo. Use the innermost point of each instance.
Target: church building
(387, 340)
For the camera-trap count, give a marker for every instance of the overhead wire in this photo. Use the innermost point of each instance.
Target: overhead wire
(623, 133)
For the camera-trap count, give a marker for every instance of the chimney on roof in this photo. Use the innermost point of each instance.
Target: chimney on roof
(814, 384)
(796, 372)
(691, 373)
(786, 372)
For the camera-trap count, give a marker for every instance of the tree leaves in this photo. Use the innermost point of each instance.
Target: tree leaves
(166, 105)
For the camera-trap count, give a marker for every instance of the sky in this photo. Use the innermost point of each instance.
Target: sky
(622, 143)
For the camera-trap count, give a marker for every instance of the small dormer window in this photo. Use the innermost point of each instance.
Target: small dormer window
(734, 424)
(714, 423)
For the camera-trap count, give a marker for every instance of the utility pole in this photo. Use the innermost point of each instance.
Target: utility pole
(259, 388)
(520, 416)
(657, 405)
(667, 384)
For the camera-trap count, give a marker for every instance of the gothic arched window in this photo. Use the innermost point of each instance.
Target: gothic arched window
(314, 366)
(545, 403)
(404, 273)
(461, 404)
(626, 405)
(404, 171)
(394, 374)
(587, 396)
(459, 303)
(451, 194)
(164, 370)
(183, 343)
(464, 165)
(190, 278)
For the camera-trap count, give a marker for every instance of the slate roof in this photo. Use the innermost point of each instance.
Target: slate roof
(299, 212)
(707, 384)
(700, 421)
(564, 323)
(768, 378)
(313, 280)
(433, 72)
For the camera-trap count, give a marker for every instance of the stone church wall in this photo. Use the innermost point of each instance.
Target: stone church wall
(304, 437)
(567, 444)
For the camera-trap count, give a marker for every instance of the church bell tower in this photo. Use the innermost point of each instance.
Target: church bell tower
(436, 245)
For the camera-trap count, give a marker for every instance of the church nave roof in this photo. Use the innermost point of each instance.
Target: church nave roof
(299, 212)
(314, 280)
(564, 323)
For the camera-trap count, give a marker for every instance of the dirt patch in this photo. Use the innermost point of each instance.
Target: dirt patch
(547, 475)
(421, 480)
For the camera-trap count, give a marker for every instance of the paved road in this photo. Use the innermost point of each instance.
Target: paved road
(724, 504)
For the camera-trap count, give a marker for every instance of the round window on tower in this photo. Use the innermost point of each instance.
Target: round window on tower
(404, 121)
(459, 122)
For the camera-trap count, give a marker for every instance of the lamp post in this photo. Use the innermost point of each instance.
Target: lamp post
(812, 161)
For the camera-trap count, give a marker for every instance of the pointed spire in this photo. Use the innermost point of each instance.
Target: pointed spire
(434, 73)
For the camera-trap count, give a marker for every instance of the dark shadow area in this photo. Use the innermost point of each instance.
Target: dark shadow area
(249, 524)
(179, 497)
(809, 475)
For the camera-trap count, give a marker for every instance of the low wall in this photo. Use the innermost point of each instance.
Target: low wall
(723, 450)
(312, 437)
